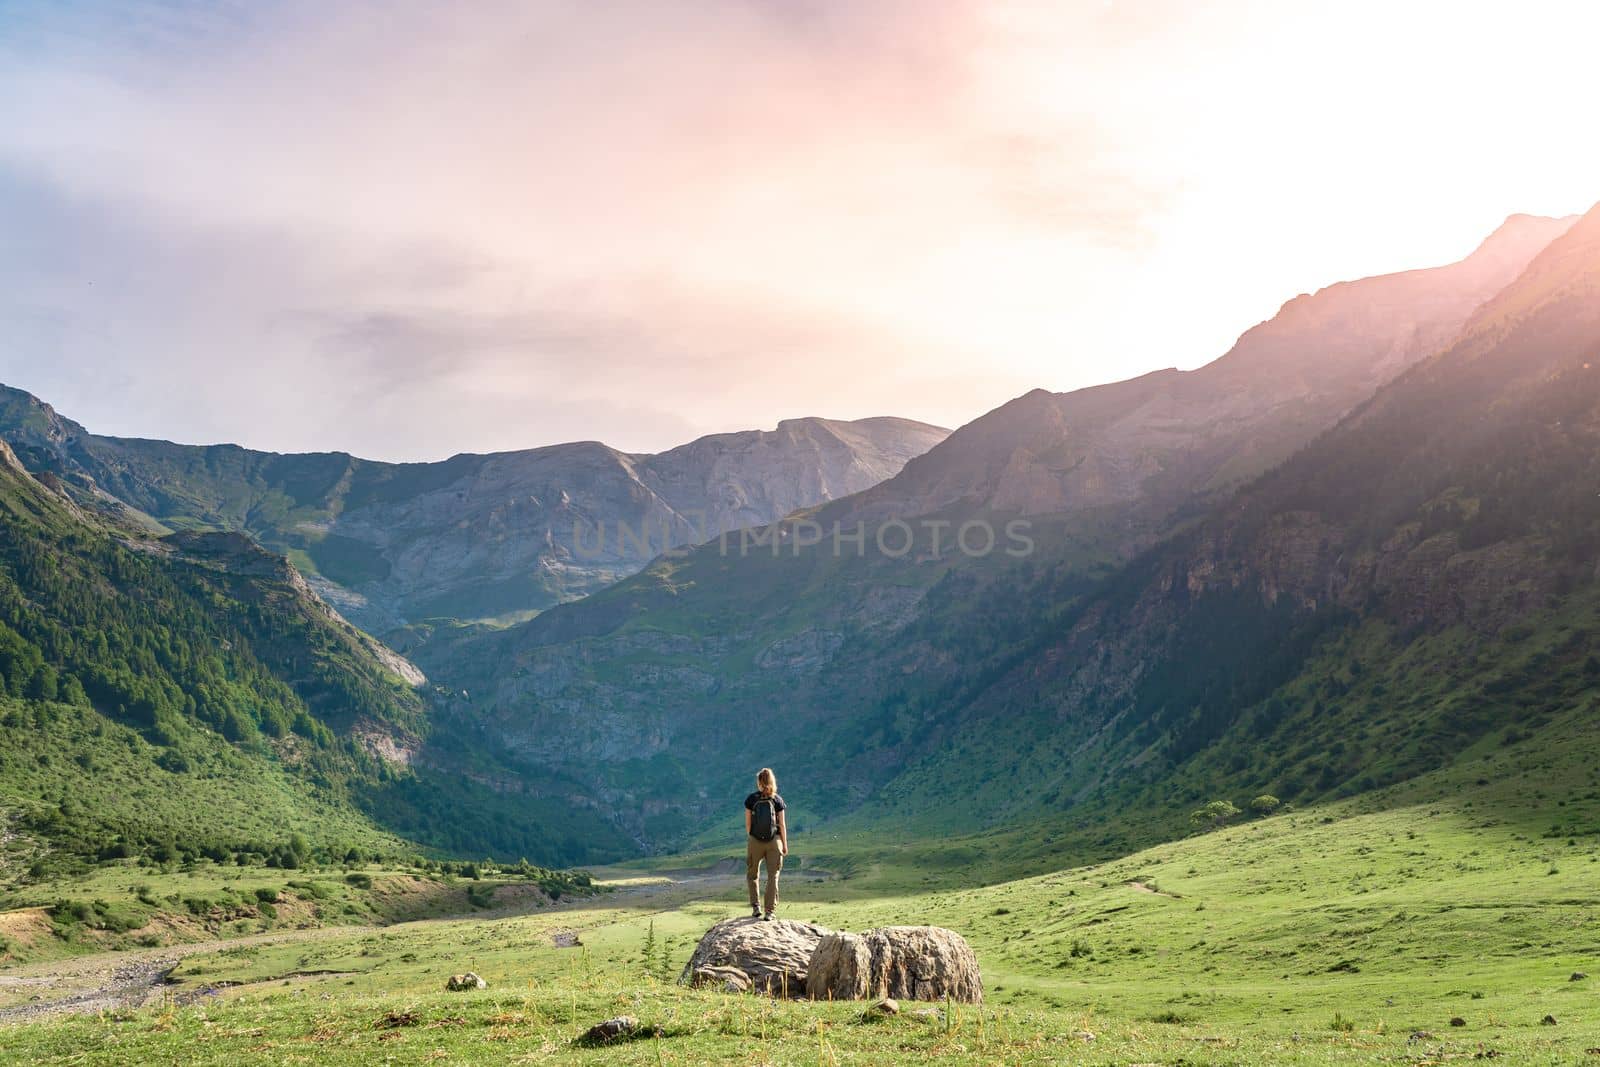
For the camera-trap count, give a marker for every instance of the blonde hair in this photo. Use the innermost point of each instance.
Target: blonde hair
(766, 782)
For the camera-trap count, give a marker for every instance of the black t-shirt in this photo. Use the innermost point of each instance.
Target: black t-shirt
(750, 802)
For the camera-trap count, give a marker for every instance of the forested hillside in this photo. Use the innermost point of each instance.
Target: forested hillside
(190, 695)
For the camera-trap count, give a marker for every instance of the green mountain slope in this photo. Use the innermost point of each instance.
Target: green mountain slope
(848, 666)
(191, 694)
(1418, 581)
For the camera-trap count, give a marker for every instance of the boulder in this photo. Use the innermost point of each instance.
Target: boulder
(771, 956)
(840, 968)
(901, 962)
(461, 982)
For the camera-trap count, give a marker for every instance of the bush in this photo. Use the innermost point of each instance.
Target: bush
(1214, 814)
(198, 906)
(97, 915)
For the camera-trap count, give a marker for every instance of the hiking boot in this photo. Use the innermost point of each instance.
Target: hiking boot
(767, 917)
(755, 913)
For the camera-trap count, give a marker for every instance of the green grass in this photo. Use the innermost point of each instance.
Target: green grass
(1328, 935)
(127, 905)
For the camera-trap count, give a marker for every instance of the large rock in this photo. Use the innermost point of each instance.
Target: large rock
(900, 962)
(770, 955)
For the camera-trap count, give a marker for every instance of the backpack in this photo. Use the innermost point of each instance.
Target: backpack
(764, 819)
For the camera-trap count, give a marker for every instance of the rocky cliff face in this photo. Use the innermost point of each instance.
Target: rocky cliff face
(472, 536)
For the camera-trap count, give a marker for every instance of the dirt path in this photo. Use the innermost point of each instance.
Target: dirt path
(117, 981)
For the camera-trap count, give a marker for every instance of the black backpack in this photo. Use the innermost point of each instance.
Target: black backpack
(764, 819)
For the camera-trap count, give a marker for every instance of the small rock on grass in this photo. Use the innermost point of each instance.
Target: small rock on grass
(461, 982)
(1577, 976)
(887, 1006)
(1458, 1021)
(1548, 1020)
(611, 1030)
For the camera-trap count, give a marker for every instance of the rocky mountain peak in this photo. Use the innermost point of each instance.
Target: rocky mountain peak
(1155, 440)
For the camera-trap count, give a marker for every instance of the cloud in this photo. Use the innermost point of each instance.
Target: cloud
(707, 213)
(408, 228)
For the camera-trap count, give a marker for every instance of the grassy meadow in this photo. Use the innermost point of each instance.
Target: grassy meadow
(1352, 933)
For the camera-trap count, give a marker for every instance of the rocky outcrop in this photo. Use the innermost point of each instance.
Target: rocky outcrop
(770, 956)
(897, 963)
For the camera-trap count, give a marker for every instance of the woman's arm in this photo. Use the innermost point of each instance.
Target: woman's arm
(783, 833)
(747, 820)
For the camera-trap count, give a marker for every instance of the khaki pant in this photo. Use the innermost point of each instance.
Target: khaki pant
(754, 852)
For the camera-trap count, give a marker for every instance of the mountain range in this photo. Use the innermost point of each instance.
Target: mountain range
(473, 536)
(857, 667)
(1360, 545)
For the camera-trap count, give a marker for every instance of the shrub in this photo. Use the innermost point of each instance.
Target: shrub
(96, 915)
(197, 906)
(1214, 814)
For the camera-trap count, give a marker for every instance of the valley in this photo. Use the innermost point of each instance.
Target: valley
(1120, 482)
(1276, 745)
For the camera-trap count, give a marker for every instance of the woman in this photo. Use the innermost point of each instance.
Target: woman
(766, 838)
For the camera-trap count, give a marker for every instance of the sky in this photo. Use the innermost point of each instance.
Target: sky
(409, 229)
